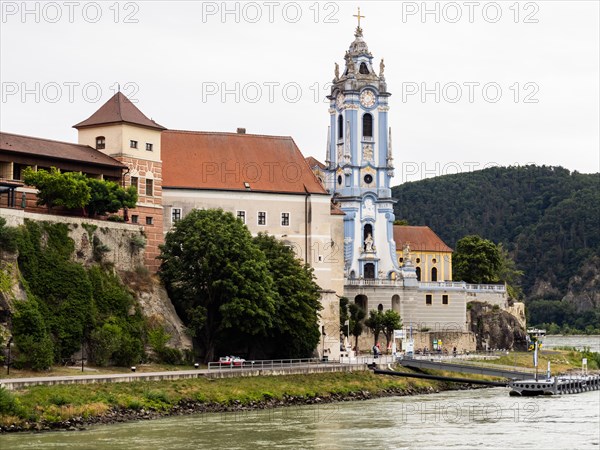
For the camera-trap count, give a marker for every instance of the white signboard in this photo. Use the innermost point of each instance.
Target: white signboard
(410, 346)
(399, 334)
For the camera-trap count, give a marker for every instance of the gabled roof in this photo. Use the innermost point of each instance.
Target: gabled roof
(235, 162)
(313, 162)
(119, 109)
(419, 239)
(46, 148)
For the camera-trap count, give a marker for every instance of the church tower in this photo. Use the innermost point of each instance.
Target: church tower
(359, 163)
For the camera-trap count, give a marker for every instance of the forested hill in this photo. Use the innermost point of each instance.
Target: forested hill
(547, 217)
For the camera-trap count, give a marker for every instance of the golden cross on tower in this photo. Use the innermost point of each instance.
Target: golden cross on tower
(358, 16)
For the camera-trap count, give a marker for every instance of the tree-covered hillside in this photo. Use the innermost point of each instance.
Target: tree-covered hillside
(547, 217)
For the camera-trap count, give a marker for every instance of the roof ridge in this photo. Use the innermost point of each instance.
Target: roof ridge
(48, 140)
(229, 133)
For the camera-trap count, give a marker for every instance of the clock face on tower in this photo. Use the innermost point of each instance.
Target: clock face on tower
(367, 98)
(339, 101)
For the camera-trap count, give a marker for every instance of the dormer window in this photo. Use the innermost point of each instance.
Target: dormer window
(100, 143)
(367, 125)
(133, 144)
(149, 146)
(363, 69)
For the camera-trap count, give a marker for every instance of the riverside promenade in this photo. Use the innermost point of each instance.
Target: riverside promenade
(215, 370)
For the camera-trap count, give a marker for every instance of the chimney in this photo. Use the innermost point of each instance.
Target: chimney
(241, 131)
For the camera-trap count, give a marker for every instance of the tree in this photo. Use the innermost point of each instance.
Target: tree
(357, 315)
(391, 321)
(509, 274)
(31, 336)
(375, 324)
(108, 197)
(218, 279)
(344, 316)
(295, 329)
(476, 260)
(58, 189)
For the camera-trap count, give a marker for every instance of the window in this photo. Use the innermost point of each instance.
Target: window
(149, 146)
(149, 187)
(367, 125)
(418, 274)
(135, 219)
(418, 260)
(135, 182)
(428, 299)
(433, 274)
(285, 219)
(340, 180)
(368, 179)
(175, 215)
(242, 216)
(262, 218)
(364, 70)
(444, 299)
(100, 143)
(149, 220)
(133, 144)
(340, 127)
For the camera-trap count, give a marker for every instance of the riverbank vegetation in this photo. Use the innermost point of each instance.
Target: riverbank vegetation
(561, 360)
(46, 407)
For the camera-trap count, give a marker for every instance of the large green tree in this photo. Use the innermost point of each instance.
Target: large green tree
(218, 278)
(295, 330)
(476, 260)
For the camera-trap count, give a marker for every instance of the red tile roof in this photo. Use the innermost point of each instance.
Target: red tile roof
(419, 239)
(46, 148)
(313, 162)
(119, 109)
(226, 161)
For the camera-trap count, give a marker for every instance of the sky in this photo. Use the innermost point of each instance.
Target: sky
(474, 84)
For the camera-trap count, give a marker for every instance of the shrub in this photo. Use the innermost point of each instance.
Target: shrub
(8, 237)
(9, 404)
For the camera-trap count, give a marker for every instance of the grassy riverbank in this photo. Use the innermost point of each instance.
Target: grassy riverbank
(561, 361)
(64, 406)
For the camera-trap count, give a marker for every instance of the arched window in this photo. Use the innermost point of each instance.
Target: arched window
(380, 307)
(363, 69)
(100, 143)
(434, 274)
(418, 273)
(340, 127)
(367, 125)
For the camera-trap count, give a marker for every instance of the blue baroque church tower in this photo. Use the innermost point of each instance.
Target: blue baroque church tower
(359, 164)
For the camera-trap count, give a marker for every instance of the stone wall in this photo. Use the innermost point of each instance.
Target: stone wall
(115, 243)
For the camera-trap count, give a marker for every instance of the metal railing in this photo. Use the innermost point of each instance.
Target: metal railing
(268, 364)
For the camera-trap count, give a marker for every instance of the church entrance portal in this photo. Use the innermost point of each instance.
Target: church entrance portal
(369, 271)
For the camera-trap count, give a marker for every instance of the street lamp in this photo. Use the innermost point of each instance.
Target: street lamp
(8, 345)
(323, 339)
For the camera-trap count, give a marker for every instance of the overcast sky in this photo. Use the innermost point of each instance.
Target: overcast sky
(516, 83)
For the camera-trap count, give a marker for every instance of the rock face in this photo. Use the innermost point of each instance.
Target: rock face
(584, 288)
(156, 305)
(117, 245)
(496, 328)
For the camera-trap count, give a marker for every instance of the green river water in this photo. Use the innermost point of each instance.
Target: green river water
(485, 418)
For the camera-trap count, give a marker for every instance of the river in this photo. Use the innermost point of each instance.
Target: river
(485, 418)
(577, 341)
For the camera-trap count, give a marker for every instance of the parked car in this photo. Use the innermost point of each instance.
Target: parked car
(231, 361)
